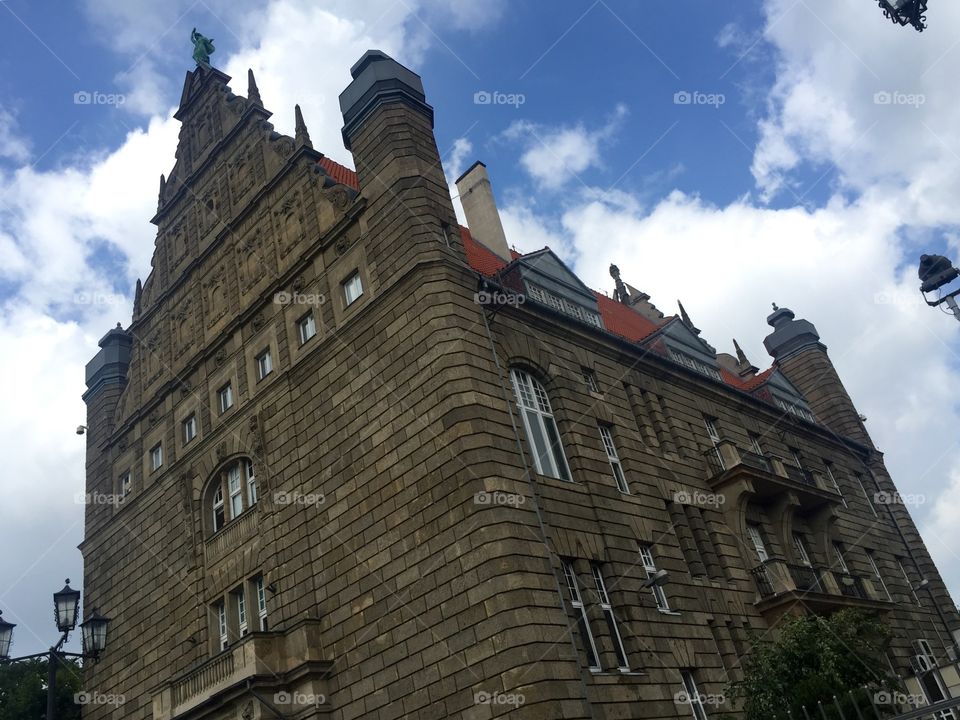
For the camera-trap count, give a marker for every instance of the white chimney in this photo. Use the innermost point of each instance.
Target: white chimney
(480, 209)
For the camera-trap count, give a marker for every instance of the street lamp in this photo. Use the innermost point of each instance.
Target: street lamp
(905, 12)
(935, 272)
(94, 629)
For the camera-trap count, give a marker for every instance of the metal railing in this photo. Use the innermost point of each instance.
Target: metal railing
(775, 575)
(850, 585)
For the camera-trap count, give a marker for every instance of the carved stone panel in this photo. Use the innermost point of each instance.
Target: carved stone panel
(245, 171)
(254, 254)
(215, 293)
(183, 328)
(290, 223)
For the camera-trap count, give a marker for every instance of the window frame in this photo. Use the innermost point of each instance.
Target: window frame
(828, 468)
(866, 497)
(225, 393)
(189, 426)
(876, 571)
(352, 282)
(590, 379)
(264, 363)
(220, 613)
(580, 610)
(156, 457)
(307, 320)
(693, 695)
(603, 597)
(125, 483)
(755, 534)
(649, 563)
(536, 412)
(226, 496)
(616, 467)
(261, 594)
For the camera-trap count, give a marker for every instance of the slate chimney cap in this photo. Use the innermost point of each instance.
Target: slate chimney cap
(779, 316)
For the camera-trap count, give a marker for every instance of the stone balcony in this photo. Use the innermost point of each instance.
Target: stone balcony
(283, 670)
(768, 477)
(782, 585)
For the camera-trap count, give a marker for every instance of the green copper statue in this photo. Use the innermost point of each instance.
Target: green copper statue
(202, 47)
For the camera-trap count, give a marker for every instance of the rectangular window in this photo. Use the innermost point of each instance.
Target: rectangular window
(906, 579)
(220, 612)
(225, 398)
(352, 288)
(692, 695)
(590, 379)
(240, 602)
(755, 445)
(840, 559)
(876, 571)
(795, 454)
(583, 623)
(714, 435)
(614, 459)
(650, 566)
(234, 489)
(261, 602)
(156, 456)
(126, 484)
(189, 429)
(832, 479)
(251, 484)
(607, 608)
(264, 364)
(756, 538)
(306, 327)
(801, 549)
(866, 496)
(219, 518)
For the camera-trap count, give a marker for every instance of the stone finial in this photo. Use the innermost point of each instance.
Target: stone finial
(136, 299)
(745, 368)
(302, 136)
(620, 293)
(253, 92)
(686, 319)
(741, 356)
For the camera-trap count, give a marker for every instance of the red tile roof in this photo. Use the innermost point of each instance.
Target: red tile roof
(338, 172)
(618, 318)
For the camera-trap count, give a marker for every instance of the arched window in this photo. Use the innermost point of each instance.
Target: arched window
(227, 499)
(541, 428)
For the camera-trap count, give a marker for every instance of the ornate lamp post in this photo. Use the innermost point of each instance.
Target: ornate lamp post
(94, 630)
(912, 12)
(935, 272)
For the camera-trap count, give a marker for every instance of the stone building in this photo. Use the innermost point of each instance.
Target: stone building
(374, 464)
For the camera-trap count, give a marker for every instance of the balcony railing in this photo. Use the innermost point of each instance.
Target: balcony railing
(777, 577)
(771, 475)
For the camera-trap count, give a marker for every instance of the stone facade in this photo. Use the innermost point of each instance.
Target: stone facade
(390, 550)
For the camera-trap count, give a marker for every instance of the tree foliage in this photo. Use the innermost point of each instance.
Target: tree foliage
(815, 659)
(23, 690)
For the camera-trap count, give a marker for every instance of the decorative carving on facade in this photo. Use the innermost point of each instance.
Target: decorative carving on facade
(221, 451)
(339, 197)
(184, 327)
(221, 357)
(215, 294)
(343, 244)
(290, 223)
(152, 361)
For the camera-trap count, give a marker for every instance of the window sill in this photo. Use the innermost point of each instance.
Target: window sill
(669, 612)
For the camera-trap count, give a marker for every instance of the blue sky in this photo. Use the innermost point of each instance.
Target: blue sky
(819, 155)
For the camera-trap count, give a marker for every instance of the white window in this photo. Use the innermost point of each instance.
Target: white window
(607, 608)
(583, 622)
(906, 579)
(189, 429)
(218, 516)
(352, 288)
(614, 459)
(156, 457)
(866, 496)
(542, 434)
(755, 445)
(251, 483)
(757, 539)
(801, 549)
(235, 491)
(833, 481)
(241, 605)
(264, 364)
(796, 458)
(841, 561)
(876, 571)
(220, 611)
(261, 602)
(693, 695)
(126, 484)
(225, 398)
(590, 379)
(650, 566)
(306, 327)
(714, 435)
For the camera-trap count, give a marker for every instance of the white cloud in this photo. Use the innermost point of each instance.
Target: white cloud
(12, 145)
(554, 156)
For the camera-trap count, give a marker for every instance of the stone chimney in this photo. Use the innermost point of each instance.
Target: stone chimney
(480, 209)
(795, 346)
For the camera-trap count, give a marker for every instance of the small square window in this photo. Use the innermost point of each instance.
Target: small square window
(225, 398)
(306, 327)
(590, 379)
(352, 288)
(126, 484)
(156, 456)
(189, 429)
(264, 364)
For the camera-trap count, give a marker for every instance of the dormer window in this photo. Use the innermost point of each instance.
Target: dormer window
(694, 364)
(564, 305)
